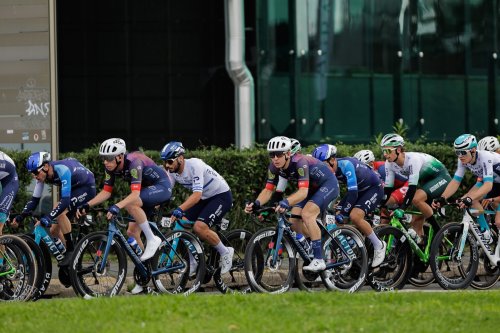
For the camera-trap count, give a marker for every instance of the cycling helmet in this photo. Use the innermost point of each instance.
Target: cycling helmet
(36, 160)
(280, 144)
(392, 140)
(172, 150)
(365, 156)
(324, 152)
(295, 144)
(112, 147)
(489, 143)
(465, 142)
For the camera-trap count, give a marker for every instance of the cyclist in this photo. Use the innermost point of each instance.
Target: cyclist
(482, 164)
(209, 201)
(427, 178)
(149, 187)
(489, 143)
(317, 187)
(283, 182)
(10, 185)
(77, 185)
(400, 181)
(364, 193)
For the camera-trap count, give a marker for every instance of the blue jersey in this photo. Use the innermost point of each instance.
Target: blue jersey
(358, 176)
(69, 175)
(10, 185)
(139, 171)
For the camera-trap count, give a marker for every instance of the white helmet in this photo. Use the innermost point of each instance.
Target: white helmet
(295, 146)
(489, 143)
(365, 156)
(280, 144)
(392, 140)
(112, 147)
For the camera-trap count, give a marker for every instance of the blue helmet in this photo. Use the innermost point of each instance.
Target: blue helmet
(324, 152)
(465, 142)
(172, 150)
(36, 160)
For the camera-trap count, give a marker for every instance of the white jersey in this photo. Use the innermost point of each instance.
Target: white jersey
(486, 167)
(200, 177)
(418, 167)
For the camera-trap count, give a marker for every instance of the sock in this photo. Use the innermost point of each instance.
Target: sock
(146, 229)
(221, 248)
(483, 225)
(316, 246)
(377, 244)
(69, 242)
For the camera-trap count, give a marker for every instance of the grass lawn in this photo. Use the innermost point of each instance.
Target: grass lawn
(464, 311)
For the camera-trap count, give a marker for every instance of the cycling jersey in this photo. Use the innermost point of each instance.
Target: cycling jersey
(77, 185)
(364, 186)
(486, 167)
(198, 176)
(10, 185)
(145, 176)
(310, 173)
(216, 197)
(399, 179)
(418, 167)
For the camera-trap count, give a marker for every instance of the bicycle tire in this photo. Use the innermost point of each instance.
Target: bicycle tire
(178, 281)
(258, 256)
(457, 274)
(235, 280)
(394, 271)
(19, 285)
(41, 283)
(350, 277)
(487, 275)
(86, 280)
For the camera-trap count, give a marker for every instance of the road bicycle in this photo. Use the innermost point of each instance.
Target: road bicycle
(99, 265)
(414, 269)
(233, 281)
(44, 247)
(460, 246)
(18, 273)
(274, 258)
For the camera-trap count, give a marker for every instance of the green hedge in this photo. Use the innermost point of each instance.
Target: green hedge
(244, 170)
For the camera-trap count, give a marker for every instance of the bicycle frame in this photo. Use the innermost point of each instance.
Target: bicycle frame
(423, 255)
(114, 233)
(469, 223)
(42, 235)
(284, 228)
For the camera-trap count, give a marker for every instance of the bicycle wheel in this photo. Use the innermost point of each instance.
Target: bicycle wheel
(19, 270)
(87, 277)
(396, 267)
(176, 254)
(450, 271)
(41, 282)
(350, 276)
(487, 275)
(235, 280)
(262, 273)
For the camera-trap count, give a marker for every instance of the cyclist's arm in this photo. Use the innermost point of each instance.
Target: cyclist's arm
(191, 200)
(99, 198)
(35, 199)
(298, 196)
(451, 188)
(349, 172)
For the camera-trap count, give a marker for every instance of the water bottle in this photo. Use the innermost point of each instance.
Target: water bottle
(60, 245)
(134, 245)
(413, 235)
(303, 241)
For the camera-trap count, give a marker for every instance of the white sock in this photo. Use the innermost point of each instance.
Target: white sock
(377, 244)
(146, 229)
(221, 248)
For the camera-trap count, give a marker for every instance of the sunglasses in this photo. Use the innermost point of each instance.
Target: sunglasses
(387, 151)
(37, 171)
(461, 153)
(108, 158)
(277, 154)
(170, 161)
